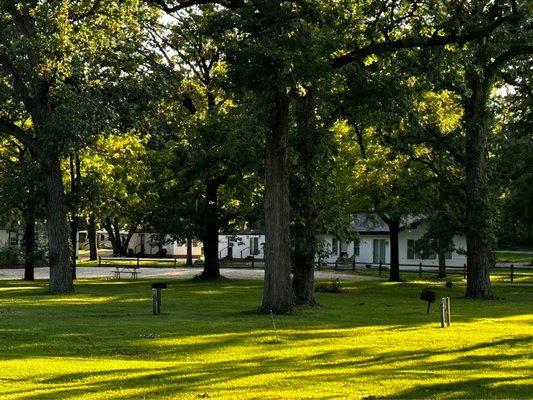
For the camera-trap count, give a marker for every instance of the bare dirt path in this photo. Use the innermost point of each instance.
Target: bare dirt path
(177, 273)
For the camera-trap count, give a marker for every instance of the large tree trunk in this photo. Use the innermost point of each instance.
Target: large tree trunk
(115, 244)
(303, 195)
(91, 233)
(74, 224)
(29, 247)
(188, 261)
(278, 296)
(56, 227)
(441, 254)
(75, 182)
(211, 263)
(394, 230)
(478, 215)
(127, 239)
(29, 235)
(118, 238)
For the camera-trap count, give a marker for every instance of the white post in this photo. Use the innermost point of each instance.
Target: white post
(448, 312)
(445, 312)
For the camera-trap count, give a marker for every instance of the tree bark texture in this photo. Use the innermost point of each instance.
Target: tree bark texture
(29, 247)
(75, 183)
(109, 226)
(211, 264)
(477, 207)
(91, 232)
(394, 230)
(74, 226)
(56, 227)
(189, 252)
(278, 296)
(303, 194)
(118, 243)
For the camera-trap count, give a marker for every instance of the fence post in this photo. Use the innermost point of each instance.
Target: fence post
(99, 261)
(253, 259)
(380, 265)
(353, 264)
(175, 262)
(137, 262)
(420, 269)
(512, 273)
(464, 271)
(336, 264)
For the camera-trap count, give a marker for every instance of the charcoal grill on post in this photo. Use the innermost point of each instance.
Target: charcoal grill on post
(429, 296)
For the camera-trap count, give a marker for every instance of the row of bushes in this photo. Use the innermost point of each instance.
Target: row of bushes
(13, 255)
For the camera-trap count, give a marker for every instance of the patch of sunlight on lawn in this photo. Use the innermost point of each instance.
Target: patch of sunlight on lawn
(374, 340)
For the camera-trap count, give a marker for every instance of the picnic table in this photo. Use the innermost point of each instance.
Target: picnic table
(126, 269)
(122, 265)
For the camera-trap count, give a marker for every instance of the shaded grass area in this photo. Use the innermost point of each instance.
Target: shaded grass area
(514, 257)
(374, 339)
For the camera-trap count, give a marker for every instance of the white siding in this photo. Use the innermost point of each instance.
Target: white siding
(415, 234)
(240, 245)
(173, 249)
(366, 248)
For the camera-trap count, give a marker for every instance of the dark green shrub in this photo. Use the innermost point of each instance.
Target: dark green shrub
(329, 287)
(10, 255)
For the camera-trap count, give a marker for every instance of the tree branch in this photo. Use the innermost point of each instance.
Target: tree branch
(514, 52)
(18, 133)
(417, 41)
(163, 5)
(18, 83)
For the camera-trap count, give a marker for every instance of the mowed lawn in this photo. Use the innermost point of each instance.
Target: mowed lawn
(514, 257)
(375, 340)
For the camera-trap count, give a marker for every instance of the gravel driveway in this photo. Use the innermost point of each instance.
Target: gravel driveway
(177, 273)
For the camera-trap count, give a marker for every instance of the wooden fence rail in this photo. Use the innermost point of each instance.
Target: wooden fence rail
(137, 260)
(514, 271)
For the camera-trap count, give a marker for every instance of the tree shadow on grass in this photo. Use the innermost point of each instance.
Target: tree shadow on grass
(259, 374)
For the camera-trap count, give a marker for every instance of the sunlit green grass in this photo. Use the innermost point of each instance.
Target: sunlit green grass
(373, 340)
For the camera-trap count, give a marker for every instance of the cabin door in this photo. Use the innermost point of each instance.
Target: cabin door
(379, 251)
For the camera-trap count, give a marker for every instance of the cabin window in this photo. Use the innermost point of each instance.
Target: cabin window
(411, 252)
(334, 246)
(356, 249)
(379, 246)
(254, 246)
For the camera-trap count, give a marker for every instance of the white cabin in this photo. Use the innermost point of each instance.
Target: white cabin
(242, 245)
(373, 244)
